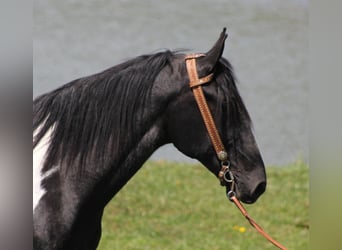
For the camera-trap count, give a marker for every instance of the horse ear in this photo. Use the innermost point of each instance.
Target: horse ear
(206, 64)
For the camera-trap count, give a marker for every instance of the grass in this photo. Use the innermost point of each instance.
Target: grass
(182, 206)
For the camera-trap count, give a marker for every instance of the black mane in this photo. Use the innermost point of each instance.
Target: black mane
(99, 115)
(96, 110)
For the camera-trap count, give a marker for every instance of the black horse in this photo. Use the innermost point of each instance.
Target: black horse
(94, 133)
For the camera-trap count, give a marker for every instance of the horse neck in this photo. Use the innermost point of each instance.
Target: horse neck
(151, 133)
(131, 161)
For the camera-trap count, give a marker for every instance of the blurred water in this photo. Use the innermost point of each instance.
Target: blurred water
(267, 45)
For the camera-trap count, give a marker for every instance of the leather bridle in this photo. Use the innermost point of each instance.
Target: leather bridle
(196, 83)
(225, 175)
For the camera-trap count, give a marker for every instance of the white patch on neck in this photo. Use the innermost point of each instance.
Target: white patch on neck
(39, 155)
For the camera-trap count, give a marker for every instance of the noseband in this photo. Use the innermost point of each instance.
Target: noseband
(225, 175)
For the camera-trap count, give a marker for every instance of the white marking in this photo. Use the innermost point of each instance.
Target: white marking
(39, 154)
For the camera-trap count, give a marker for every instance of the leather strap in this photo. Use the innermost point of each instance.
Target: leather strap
(253, 223)
(196, 86)
(202, 80)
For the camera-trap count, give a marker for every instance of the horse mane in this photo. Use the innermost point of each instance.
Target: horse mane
(98, 115)
(101, 109)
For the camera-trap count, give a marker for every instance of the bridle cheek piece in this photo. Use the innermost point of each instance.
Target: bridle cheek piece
(225, 176)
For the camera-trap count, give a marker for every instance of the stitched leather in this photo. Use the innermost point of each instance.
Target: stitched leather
(202, 80)
(195, 84)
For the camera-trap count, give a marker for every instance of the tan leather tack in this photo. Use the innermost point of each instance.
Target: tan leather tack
(195, 84)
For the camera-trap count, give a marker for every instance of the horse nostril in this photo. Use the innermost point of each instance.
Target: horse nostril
(251, 196)
(260, 189)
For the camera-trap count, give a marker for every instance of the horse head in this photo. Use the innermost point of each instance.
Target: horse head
(186, 130)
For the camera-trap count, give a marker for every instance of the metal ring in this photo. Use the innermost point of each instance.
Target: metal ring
(225, 163)
(230, 194)
(229, 178)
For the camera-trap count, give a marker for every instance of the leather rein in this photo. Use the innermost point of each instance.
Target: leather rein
(225, 175)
